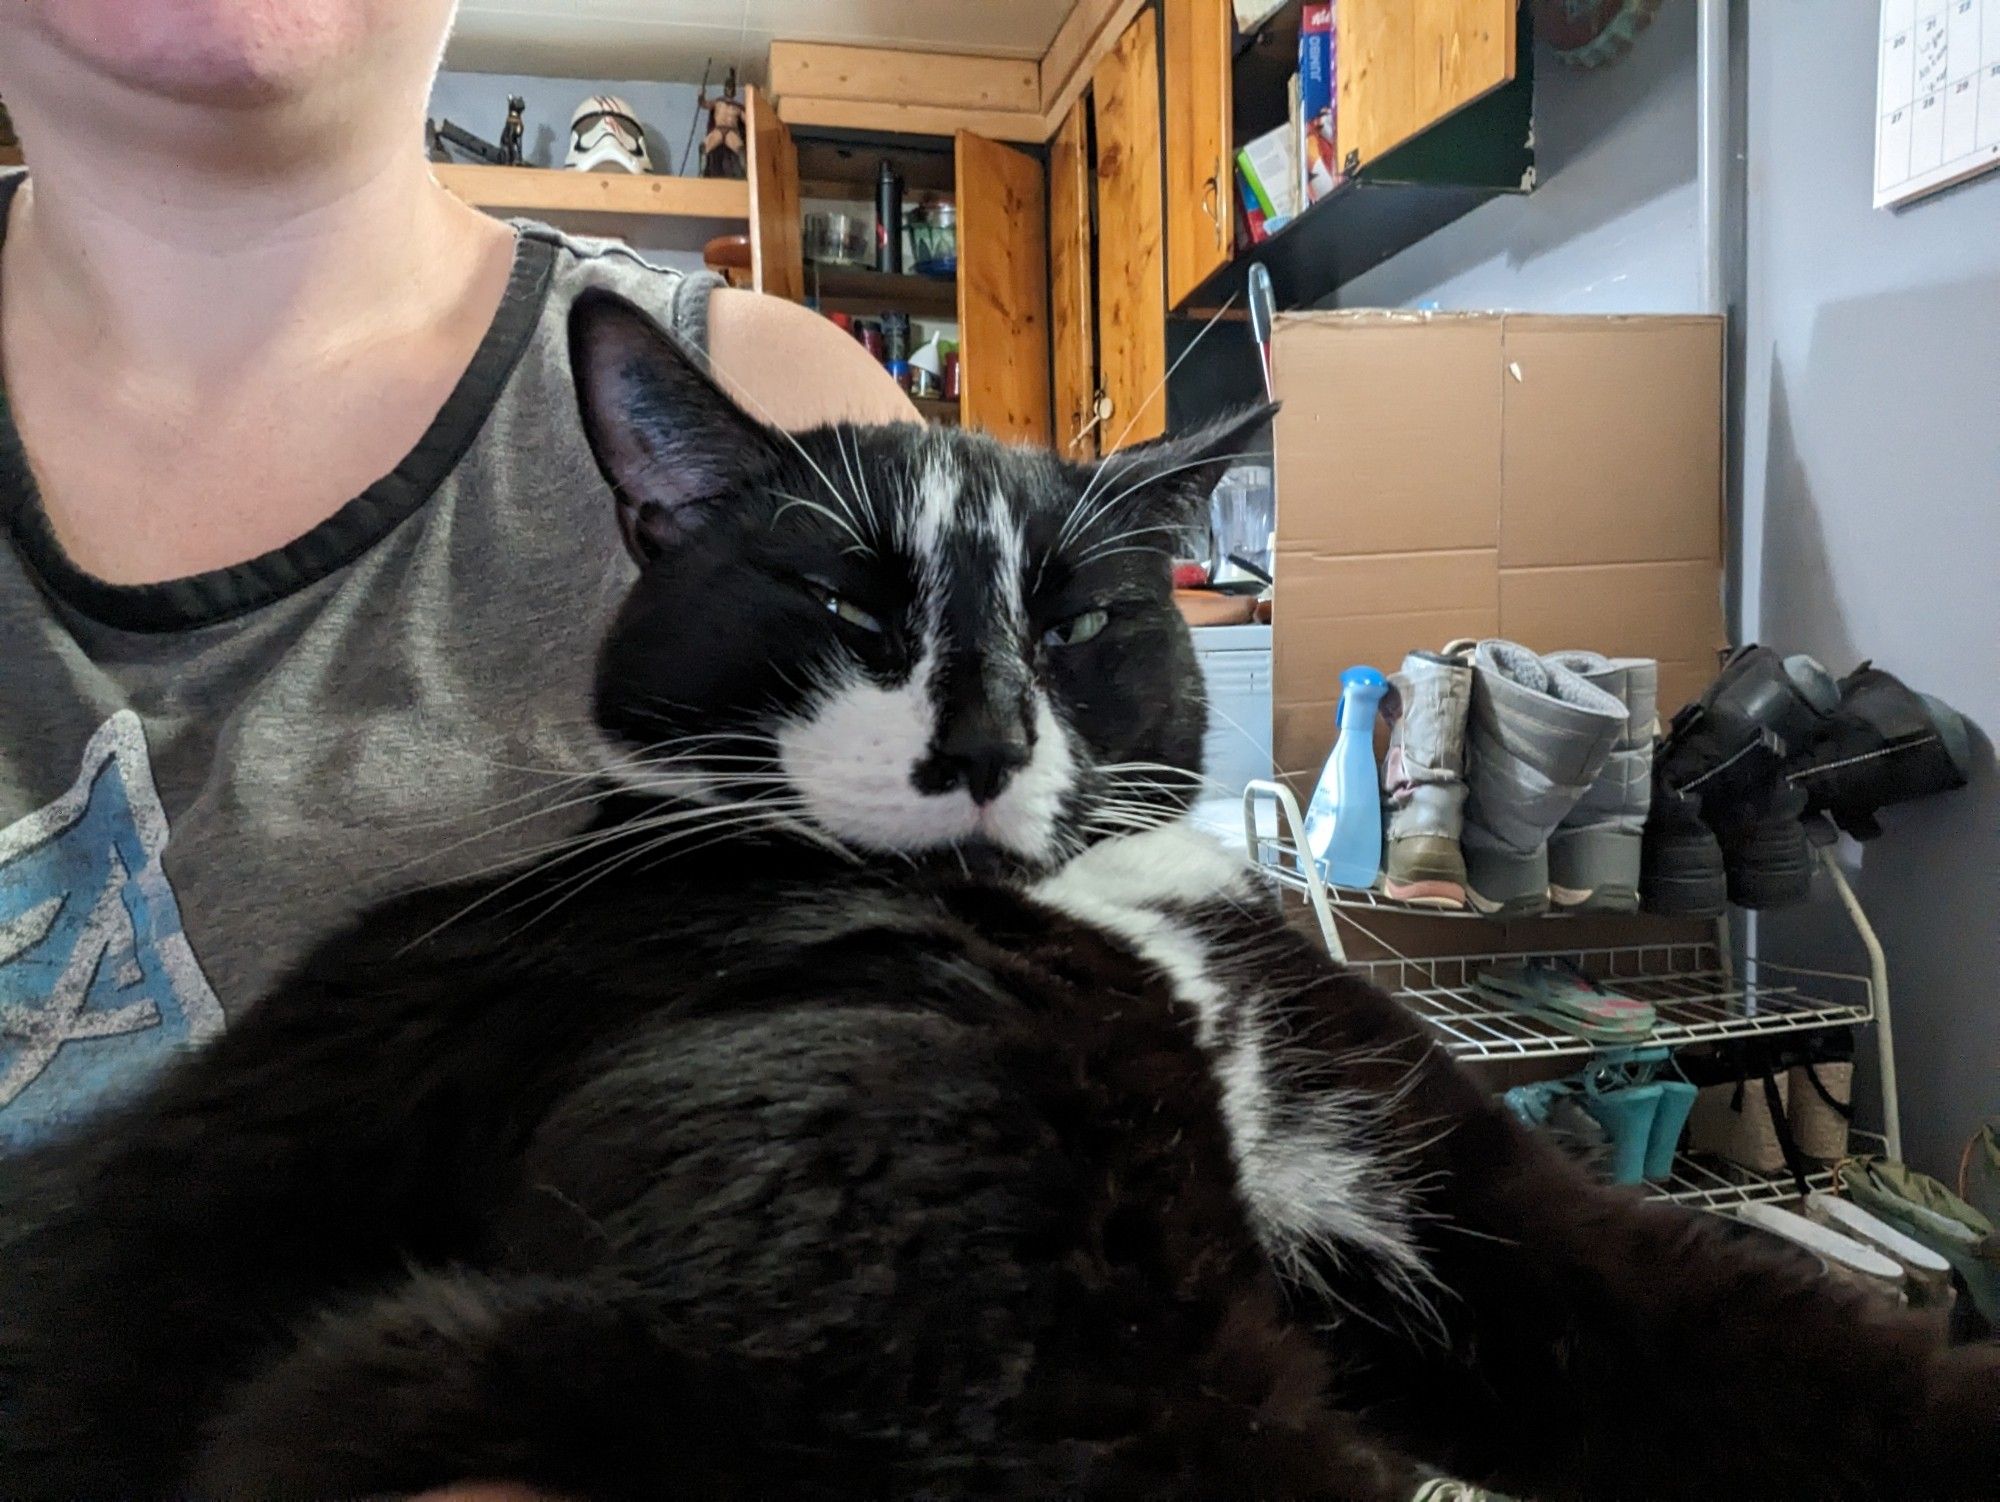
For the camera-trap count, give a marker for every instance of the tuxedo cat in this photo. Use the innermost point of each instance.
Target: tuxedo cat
(890, 1096)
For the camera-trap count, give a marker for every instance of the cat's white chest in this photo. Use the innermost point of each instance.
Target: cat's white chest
(1149, 890)
(1309, 1178)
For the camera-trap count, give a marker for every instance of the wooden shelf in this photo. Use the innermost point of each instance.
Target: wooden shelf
(1476, 153)
(550, 190)
(937, 409)
(1353, 229)
(10, 156)
(857, 289)
(846, 169)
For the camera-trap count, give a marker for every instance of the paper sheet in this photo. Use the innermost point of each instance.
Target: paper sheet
(1937, 110)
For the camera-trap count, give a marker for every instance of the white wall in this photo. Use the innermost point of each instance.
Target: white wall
(1871, 509)
(1610, 228)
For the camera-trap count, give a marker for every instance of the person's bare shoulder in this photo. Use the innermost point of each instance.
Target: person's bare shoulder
(794, 368)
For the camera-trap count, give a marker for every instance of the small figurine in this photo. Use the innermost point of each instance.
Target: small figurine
(512, 131)
(722, 147)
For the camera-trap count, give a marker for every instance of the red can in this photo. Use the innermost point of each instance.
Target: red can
(951, 376)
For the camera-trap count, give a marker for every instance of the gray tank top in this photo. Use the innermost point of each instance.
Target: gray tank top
(202, 778)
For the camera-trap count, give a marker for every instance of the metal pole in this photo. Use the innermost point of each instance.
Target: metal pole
(1712, 149)
(1878, 980)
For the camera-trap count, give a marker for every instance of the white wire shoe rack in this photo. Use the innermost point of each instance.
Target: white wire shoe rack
(1696, 991)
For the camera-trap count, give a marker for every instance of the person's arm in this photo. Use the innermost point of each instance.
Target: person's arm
(790, 366)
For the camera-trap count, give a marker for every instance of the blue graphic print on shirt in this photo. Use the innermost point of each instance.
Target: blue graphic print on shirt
(98, 986)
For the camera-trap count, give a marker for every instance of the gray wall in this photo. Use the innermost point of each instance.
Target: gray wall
(1868, 438)
(1610, 229)
(478, 102)
(1871, 509)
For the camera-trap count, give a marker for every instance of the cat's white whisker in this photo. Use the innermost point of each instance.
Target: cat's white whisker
(740, 393)
(1154, 476)
(792, 502)
(1139, 410)
(729, 822)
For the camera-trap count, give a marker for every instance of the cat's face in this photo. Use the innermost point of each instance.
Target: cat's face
(905, 639)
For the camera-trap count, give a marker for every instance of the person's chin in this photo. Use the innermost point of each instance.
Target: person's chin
(224, 54)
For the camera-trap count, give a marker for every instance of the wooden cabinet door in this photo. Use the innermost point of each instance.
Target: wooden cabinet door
(777, 261)
(1198, 36)
(1131, 271)
(1003, 290)
(1073, 329)
(1403, 65)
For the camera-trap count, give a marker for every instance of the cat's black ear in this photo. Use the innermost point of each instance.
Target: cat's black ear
(667, 438)
(1168, 480)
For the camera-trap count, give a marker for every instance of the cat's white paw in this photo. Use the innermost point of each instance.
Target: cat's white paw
(1173, 866)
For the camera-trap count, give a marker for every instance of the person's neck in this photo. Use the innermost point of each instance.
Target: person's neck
(296, 262)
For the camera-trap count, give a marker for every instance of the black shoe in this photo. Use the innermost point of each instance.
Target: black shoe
(1766, 853)
(1884, 744)
(1680, 862)
(1760, 709)
(1728, 751)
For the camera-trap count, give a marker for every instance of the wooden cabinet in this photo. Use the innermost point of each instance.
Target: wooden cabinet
(1200, 163)
(1402, 67)
(776, 262)
(1072, 262)
(1107, 253)
(1131, 260)
(998, 297)
(1072, 285)
(1003, 290)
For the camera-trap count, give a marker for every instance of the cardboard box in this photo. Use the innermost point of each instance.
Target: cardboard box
(1268, 167)
(1554, 480)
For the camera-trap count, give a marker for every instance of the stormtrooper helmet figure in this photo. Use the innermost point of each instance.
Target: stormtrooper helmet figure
(605, 136)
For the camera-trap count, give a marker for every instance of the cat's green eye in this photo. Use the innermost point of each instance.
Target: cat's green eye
(1078, 629)
(844, 609)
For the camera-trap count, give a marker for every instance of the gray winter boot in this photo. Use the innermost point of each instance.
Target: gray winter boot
(1594, 853)
(1537, 738)
(1423, 781)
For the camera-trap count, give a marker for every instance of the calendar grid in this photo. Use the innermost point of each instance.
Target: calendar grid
(1937, 96)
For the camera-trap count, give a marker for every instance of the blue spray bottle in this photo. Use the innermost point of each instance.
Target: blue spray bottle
(1344, 821)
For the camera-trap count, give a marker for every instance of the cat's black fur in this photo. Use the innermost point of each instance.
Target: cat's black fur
(758, 1169)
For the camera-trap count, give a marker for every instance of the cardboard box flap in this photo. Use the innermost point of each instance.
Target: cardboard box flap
(1389, 435)
(1612, 451)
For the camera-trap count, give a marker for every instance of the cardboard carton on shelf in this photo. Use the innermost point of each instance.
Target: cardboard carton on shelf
(1555, 480)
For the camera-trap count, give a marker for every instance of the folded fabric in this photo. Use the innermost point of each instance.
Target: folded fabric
(1566, 998)
(1920, 1207)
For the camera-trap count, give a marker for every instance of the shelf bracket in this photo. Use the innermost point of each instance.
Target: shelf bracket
(1255, 795)
(1878, 977)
